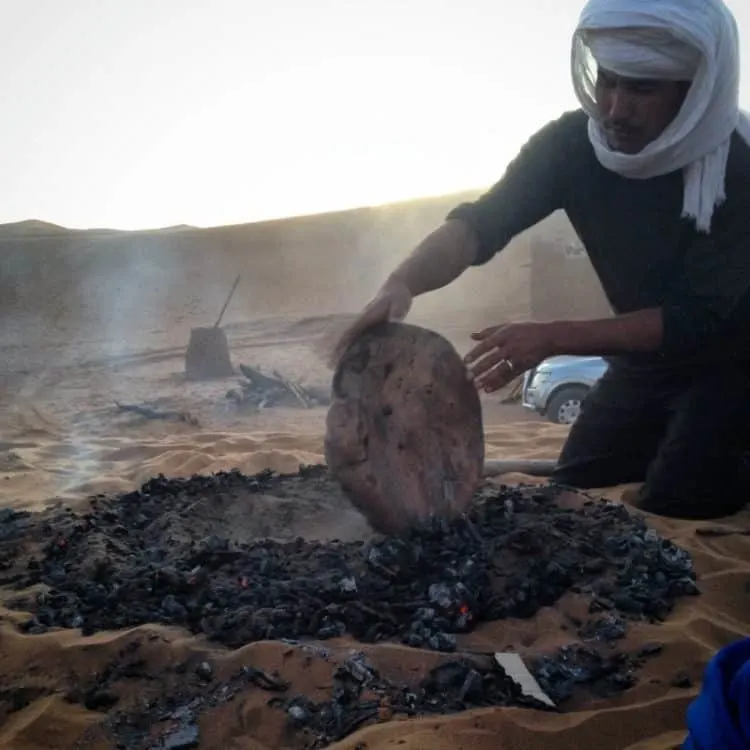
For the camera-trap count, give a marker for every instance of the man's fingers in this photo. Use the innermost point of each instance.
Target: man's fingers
(481, 349)
(495, 379)
(487, 332)
(493, 371)
(483, 334)
(347, 338)
(376, 312)
(481, 366)
(400, 310)
(495, 383)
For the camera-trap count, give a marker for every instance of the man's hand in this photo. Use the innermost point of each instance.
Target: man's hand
(392, 302)
(437, 261)
(506, 351)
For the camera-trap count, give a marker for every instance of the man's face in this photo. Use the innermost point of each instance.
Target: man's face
(635, 112)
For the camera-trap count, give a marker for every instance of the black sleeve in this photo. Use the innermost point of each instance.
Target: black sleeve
(529, 191)
(709, 301)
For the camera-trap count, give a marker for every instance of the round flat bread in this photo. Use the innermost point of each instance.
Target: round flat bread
(404, 433)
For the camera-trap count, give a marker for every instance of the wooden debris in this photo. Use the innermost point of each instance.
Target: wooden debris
(228, 300)
(148, 412)
(514, 393)
(257, 378)
(259, 391)
(295, 389)
(719, 531)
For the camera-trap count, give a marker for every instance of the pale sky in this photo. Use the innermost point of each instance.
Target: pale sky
(145, 113)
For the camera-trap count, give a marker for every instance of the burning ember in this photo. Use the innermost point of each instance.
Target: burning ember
(145, 557)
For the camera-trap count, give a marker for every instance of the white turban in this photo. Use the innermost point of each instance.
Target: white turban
(679, 40)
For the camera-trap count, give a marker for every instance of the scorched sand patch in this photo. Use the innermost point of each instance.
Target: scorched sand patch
(303, 642)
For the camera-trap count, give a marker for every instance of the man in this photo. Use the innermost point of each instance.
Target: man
(654, 174)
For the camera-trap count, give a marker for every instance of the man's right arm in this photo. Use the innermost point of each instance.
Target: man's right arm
(534, 185)
(530, 190)
(439, 259)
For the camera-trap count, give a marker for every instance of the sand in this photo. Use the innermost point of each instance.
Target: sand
(62, 438)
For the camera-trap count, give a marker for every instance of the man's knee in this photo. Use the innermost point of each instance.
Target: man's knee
(613, 440)
(717, 400)
(725, 499)
(711, 487)
(697, 471)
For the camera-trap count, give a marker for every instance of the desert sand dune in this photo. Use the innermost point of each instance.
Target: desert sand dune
(91, 319)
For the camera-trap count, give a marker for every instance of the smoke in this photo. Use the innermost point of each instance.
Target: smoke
(90, 318)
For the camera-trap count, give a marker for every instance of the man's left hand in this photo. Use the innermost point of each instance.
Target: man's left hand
(505, 352)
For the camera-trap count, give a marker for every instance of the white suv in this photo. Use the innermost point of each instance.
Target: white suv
(556, 388)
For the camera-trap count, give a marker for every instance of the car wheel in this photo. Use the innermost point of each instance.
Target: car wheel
(565, 405)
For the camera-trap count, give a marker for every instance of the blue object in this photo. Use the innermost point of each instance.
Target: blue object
(719, 718)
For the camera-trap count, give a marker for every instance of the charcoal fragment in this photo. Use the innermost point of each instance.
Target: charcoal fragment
(442, 642)
(348, 585)
(682, 680)
(7, 515)
(650, 649)
(172, 608)
(183, 738)
(472, 687)
(264, 681)
(448, 676)
(204, 671)
(300, 711)
(99, 700)
(359, 669)
(607, 628)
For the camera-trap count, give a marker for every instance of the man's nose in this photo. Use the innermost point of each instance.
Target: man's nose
(619, 105)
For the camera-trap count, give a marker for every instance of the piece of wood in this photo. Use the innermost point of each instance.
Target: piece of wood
(515, 394)
(404, 433)
(147, 412)
(294, 389)
(299, 392)
(258, 379)
(535, 467)
(226, 304)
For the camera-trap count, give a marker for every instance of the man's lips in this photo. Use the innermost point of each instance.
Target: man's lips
(621, 134)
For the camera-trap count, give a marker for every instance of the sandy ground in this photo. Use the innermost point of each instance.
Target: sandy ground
(61, 437)
(64, 437)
